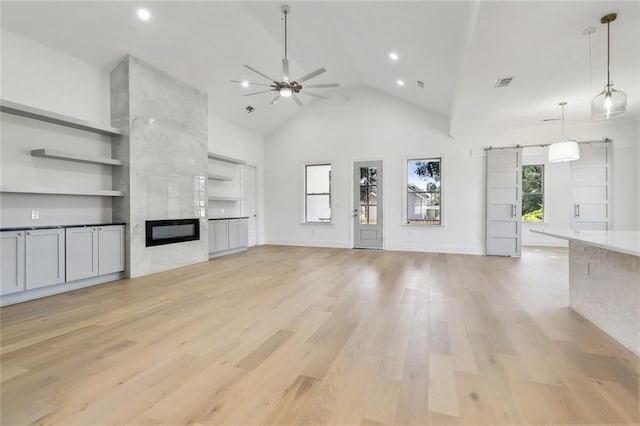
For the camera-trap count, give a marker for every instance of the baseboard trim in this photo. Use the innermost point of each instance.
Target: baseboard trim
(38, 293)
(226, 252)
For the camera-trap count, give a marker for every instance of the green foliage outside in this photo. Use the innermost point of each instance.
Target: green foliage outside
(532, 193)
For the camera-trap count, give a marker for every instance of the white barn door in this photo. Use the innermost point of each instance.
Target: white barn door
(590, 188)
(504, 202)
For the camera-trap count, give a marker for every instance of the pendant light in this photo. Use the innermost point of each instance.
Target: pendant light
(610, 102)
(566, 149)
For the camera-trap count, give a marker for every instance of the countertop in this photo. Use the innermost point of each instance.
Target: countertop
(627, 242)
(33, 228)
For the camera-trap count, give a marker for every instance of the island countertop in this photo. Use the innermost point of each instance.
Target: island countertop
(627, 242)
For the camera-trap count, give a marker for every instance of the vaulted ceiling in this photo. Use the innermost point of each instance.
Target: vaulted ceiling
(458, 49)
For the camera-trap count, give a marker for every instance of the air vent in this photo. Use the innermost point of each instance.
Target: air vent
(249, 109)
(421, 84)
(504, 81)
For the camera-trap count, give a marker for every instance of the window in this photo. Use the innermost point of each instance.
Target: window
(424, 199)
(317, 193)
(533, 193)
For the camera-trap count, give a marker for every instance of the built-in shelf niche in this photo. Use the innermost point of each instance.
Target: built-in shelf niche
(38, 114)
(224, 186)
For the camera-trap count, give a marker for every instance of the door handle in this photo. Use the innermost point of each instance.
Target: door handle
(576, 210)
(355, 213)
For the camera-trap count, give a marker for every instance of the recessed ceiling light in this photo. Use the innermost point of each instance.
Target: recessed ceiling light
(400, 82)
(144, 14)
(393, 56)
(245, 83)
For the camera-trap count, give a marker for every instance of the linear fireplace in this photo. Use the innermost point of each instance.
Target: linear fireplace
(159, 232)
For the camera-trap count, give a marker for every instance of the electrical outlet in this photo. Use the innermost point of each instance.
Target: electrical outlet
(35, 214)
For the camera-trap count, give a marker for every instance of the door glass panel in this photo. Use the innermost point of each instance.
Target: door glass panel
(364, 175)
(373, 175)
(363, 215)
(363, 195)
(373, 195)
(373, 215)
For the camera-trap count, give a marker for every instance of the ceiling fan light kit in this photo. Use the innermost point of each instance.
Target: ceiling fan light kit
(565, 150)
(286, 88)
(610, 102)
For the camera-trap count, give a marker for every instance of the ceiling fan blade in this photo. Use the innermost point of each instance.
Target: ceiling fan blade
(259, 73)
(318, 86)
(297, 99)
(285, 69)
(311, 75)
(274, 100)
(257, 93)
(314, 94)
(251, 83)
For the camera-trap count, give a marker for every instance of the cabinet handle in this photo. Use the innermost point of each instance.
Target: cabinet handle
(576, 210)
(19, 234)
(513, 210)
(28, 233)
(100, 229)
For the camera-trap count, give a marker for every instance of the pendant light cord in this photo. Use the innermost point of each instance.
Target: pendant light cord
(590, 66)
(608, 57)
(562, 137)
(285, 35)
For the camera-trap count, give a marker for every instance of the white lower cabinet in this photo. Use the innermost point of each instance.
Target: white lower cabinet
(227, 234)
(93, 251)
(12, 254)
(111, 241)
(44, 257)
(82, 253)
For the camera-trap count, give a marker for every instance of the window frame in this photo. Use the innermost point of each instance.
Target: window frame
(543, 193)
(405, 196)
(306, 193)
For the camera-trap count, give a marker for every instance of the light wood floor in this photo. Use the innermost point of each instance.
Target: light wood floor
(283, 335)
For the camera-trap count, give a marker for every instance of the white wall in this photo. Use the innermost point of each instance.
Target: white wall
(37, 75)
(363, 124)
(233, 141)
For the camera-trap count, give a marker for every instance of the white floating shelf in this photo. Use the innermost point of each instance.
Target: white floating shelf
(55, 118)
(30, 190)
(69, 156)
(220, 177)
(216, 198)
(213, 156)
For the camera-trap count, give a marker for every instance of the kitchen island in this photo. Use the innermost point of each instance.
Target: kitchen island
(604, 280)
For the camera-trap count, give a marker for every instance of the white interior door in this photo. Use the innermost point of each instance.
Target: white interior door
(590, 188)
(504, 202)
(367, 212)
(249, 202)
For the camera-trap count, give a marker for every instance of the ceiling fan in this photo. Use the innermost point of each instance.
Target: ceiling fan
(287, 88)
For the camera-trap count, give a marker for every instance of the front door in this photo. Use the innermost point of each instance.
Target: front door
(367, 210)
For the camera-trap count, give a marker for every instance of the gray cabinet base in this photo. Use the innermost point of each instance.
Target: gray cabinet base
(37, 293)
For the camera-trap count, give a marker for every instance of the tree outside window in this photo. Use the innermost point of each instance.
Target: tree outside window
(533, 193)
(424, 192)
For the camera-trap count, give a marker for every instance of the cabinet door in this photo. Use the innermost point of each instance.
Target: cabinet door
(44, 257)
(81, 252)
(221, 237)
(243, 232)
(233, 234)
(12, 253)
(212, 236)
(111, 249)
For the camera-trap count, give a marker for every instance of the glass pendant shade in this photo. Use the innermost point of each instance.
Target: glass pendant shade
(608, 103)
(564, 151)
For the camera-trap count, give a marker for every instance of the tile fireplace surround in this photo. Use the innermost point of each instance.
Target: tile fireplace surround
(164, 149)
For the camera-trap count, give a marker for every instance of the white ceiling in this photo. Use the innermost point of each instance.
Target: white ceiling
(459, 49)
